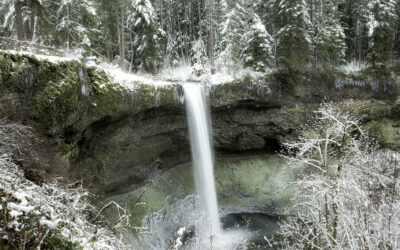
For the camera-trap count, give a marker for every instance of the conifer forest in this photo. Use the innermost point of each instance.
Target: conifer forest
(146, 35)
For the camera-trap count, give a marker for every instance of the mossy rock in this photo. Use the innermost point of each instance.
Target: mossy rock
(69, 95)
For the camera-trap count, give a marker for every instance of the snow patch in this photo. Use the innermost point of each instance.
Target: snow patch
(186, 73)
(51, 59)
(127, 80)
(15, 213)
(353, 67)
(50, 224)
(22, 208)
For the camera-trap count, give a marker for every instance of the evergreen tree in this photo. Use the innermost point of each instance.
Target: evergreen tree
(231, 29)
(382, 30)
(199, 54)
(19, 18)
(76, 23)
(244, 38)
(146, 34)
(147, 37)
(356, 18)
(7, 18)
(108, 40)
(396, 48)
(257, 46)
(294, 42)
(328, 34)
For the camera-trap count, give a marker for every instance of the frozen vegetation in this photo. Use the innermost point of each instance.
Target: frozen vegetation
(347, 192)
(50, 215)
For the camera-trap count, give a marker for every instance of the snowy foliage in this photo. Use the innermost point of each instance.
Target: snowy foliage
(147, 35)
(257, 51)
(294, 40)
(328, 34)
(47, 216)
(199, 54)
(347, 192)
(232, 29)
(383, 16)
(73, 18)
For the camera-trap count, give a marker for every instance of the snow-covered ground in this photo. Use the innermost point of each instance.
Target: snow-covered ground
(187, 73)
(44, 211)
(126, 79)
(353, 67)
(62, 210)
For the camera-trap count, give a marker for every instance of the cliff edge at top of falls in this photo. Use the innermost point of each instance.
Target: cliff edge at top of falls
(113, 136)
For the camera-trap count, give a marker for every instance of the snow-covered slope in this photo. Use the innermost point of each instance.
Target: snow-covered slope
(47, 216)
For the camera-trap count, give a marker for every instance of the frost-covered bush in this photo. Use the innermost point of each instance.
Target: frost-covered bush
(50, 215)
(47, 216)
(346, 190)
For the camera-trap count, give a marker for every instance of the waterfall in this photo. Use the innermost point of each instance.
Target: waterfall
(197, 115)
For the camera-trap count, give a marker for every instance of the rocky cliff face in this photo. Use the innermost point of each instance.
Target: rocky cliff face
(113, 138)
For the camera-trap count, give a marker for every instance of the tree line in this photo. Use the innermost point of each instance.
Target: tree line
(146, 35)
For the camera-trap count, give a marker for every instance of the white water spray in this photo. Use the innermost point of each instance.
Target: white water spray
(201, 152)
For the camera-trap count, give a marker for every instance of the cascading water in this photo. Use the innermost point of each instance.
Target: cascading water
(197, 213)
(200, 143)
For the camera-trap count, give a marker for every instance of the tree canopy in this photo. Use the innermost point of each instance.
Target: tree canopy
(150, 34)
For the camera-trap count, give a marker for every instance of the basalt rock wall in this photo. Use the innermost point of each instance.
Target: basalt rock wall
(114, 137)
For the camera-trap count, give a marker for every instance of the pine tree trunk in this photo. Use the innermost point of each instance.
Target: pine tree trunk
(108, 49)
(119, 40)
(186, 38)
(122, 41)
(182, 40)
(359, 43)
(211, 35)
(132, 49)
(69, 31)
(161, 14)
(34, 39)
(30, 29)
(27, 30)
(18, 20)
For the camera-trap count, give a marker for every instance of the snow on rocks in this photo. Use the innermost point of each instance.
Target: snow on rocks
(49, 58)
(128, 80)
(49, 209)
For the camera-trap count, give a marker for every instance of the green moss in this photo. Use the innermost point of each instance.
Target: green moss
(71, 153)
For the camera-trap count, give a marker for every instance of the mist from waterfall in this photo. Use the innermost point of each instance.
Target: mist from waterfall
(202, 158)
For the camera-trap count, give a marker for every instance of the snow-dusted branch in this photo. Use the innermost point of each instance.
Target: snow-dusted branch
(346, 191)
